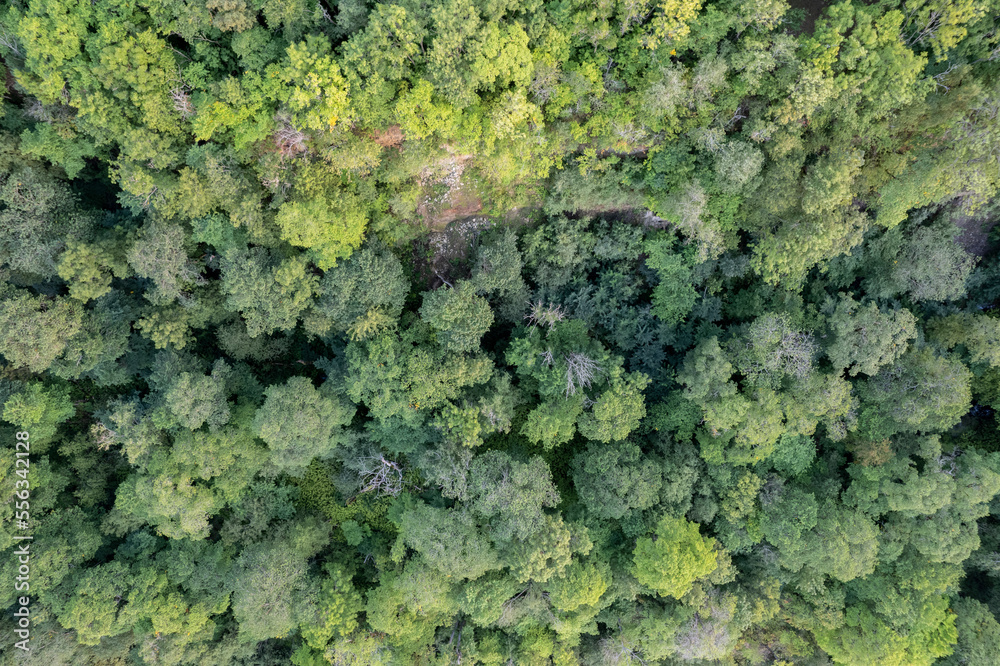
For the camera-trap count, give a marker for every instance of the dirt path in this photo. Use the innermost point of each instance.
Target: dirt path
(974, 237)
(812, 8)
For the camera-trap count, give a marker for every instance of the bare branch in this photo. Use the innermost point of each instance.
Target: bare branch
(383, 476)
(289, 139)
(9, 42)
(548, 315)
(580, 372)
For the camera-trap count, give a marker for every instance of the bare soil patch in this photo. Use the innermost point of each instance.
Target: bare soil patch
(443, 256)
(390, 137)
(447, 197)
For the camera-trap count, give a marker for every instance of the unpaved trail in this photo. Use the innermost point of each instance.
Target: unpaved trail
(974, 237)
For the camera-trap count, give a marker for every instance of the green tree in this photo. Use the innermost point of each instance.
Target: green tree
(669, 24)
(582, 584)
(39, 410)
(979, 334)
(72, 540)
(618, 410)
(403, 374)
(868, 639)
(230, 456)
(458, 315)
(330, 229)
(270, 294)
(674, 558)
(552, 423)
(335, 614)
(299, 422)
(496, 273)
(317, 91)
(86, 270)
(168, 497)
(361, 295)
(409, 604)
(449, 540)
(268, 577)
(923, 262)
(105, 337)
(511, 495)
(706, 372)
(91, 606)
(864, 338)
(921, 391)
(36, 330)
(786, 522)
(978, 634)
(828, 183)
(160, 254)
(195, 399)
(674, 295)
(496, 269)
(547, 553)
(772, 349)
(39, 214)
(565, 365)
(612, 480)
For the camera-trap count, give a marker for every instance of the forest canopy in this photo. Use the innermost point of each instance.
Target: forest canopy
(499, 332)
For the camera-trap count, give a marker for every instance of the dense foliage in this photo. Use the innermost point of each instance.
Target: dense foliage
(708, 379)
